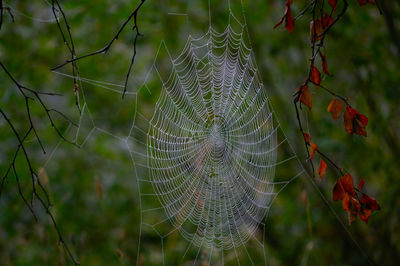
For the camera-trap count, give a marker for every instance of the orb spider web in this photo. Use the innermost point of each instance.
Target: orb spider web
(205, 157)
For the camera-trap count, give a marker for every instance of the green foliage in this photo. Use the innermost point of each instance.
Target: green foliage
(362, 57)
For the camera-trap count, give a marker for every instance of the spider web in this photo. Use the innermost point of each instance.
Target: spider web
(207, 150)
(211, 151)
(204, 154)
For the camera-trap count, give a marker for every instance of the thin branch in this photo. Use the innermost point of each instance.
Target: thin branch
(346, 100)
(28, 95)
(70, 45)
(308, 7)
(315, 50)
(55, 225)
(110, 43)
(21, 194)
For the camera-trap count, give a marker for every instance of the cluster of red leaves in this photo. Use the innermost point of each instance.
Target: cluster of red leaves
(353, 121)
(344, 190)
(355, 202)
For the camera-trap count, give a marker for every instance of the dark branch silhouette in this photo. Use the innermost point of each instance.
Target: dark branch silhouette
(55, 7)
(110, 43)
(31, 96)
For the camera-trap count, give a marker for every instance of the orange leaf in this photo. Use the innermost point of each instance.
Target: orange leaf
(352, 206)
(361, 184)
(326, 21)
(287, 17)
(335, 108)
(315, 76)
(346, 202)
(365, 214)
(305, 96)
(362, 118)
(289, 21)
(317, 27)
(333, 3)
(322, 168)
(370, 203)
(313, 148)
(354, 122)
(307, 137)
(348, 120)
(359, 124)
(316, 30)
(324, 63)
(347, 183)
(338, 191)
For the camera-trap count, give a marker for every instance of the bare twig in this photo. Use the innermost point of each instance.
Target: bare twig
(29, 95)
(70, 45)
(109, 44)
(308, 7)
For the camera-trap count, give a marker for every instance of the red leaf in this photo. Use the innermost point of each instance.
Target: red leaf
(333, 3)
(361, 184)
(348, 120)
(346, 202)
(287, 17)
(363, 119)
(359, 124)
(324, 63)
(316, 30)
(353, 207)
(315, 76)
(326, 21)
(289, 20)
(313, 148)
(354, 122)
(317, 27)
(370, 203)
(347, 183)
(338, 192)
(335, 108)
(365, 214)
(305, 96)
(322, 168)
(307, 137)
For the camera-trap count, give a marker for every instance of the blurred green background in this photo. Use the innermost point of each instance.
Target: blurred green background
(102, 227)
